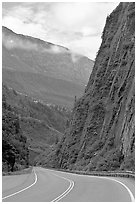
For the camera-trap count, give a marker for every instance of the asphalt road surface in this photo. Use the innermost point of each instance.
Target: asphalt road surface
(44, 185)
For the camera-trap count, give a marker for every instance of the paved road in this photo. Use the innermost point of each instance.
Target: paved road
(44, 185)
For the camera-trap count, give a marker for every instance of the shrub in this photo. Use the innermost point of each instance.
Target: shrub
(128, 163)
(110, 161)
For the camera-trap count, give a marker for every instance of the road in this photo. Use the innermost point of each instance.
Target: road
(44, 185)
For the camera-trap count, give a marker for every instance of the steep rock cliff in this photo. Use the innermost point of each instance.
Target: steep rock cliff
(101, 132)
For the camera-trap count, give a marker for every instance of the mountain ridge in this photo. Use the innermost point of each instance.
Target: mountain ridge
(43, 70)
(8, 31)
(12, 41)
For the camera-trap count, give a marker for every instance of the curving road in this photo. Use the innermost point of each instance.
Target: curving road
(44, 185)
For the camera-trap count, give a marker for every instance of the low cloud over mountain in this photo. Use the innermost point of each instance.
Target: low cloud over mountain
(57, 71)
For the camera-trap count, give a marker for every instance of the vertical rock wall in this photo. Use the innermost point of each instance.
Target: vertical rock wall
(101, 133)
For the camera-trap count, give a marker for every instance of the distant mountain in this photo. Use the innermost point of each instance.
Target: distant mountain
(43, 70)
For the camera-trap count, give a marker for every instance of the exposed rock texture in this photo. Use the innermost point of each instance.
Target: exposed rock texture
(101, 132)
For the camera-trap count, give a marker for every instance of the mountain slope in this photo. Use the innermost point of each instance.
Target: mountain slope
(44, 88)
(15, 153)
(43, 70)
(42, 125)
(101, 135)
(44, 57)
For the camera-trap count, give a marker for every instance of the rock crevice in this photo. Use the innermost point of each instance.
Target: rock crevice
(101, 134)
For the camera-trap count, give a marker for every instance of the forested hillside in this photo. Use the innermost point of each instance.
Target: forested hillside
(15, 153)
(42, 125)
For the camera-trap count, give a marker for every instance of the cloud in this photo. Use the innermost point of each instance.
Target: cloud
(23, 27)
(71, 14)
(75, 25)
(87, 46)
(56, 49)
(14, 41)
(11, 42)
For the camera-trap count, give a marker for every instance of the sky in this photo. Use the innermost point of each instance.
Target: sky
(75, 25)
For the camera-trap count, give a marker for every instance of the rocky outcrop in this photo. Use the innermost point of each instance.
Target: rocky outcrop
(101, 134)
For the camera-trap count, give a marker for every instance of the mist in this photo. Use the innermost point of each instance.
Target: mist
(13, 42)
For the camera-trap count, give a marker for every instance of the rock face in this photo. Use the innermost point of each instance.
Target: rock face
(101, 133)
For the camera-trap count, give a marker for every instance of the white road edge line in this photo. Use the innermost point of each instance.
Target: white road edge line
(129, 191)
(23, 188)
(65, 192)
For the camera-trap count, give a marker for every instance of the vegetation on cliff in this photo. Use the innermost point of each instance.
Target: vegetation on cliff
(101, 133)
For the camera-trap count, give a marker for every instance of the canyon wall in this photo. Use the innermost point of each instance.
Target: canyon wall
(101, 133)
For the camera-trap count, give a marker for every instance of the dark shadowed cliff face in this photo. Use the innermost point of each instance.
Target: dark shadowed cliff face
(101, 132)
